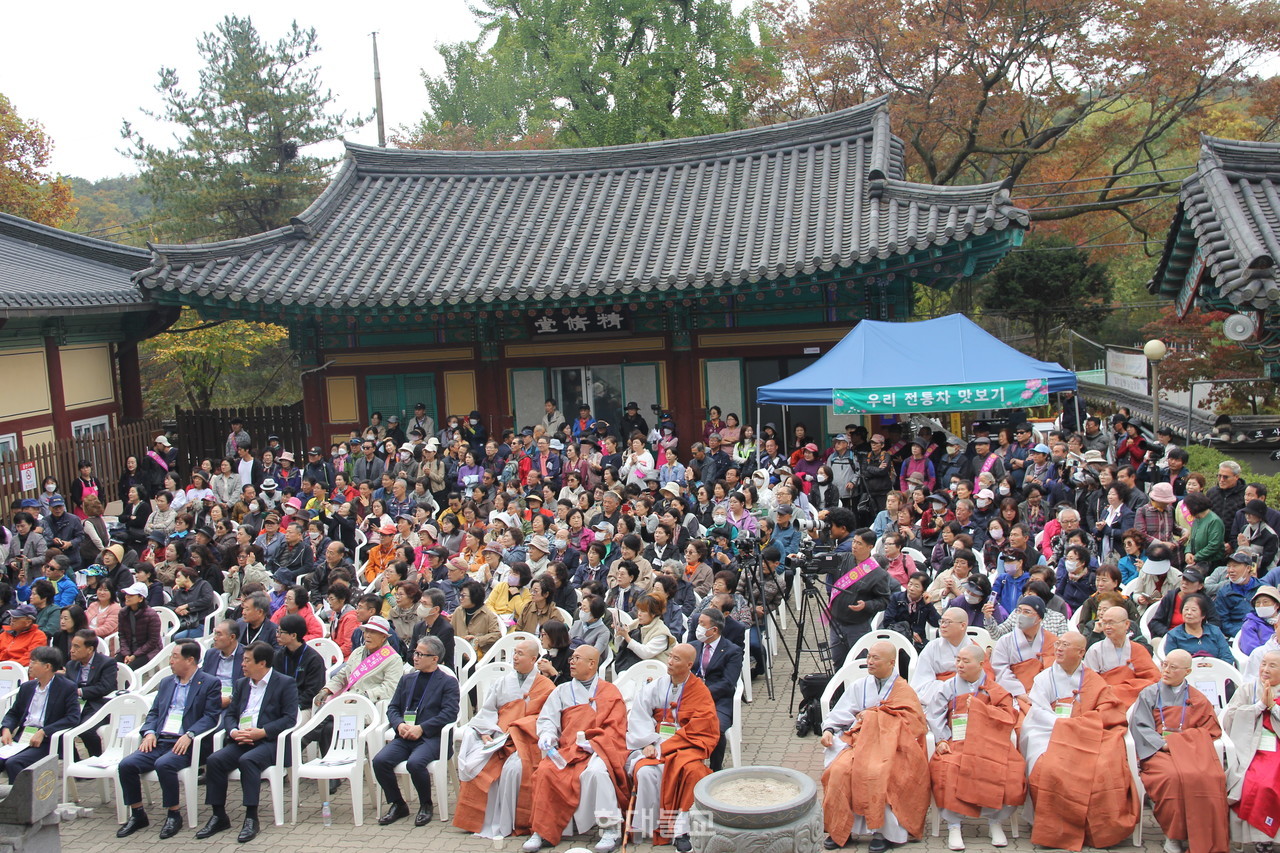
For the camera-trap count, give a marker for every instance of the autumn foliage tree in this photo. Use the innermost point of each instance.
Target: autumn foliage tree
(27, 188)
(1198, 350)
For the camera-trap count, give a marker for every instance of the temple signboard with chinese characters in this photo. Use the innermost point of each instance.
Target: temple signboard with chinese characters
(606, 320)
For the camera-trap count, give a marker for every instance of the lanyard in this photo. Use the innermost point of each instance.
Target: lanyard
(591, 699)
(1017, 647)
(955, 692)
(667, 705)
(1057, 695)
(883, 694)
(296, 663)
(1182, 723)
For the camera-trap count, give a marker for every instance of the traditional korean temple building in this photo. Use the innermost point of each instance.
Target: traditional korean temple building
(681, 273)
(1223, 246)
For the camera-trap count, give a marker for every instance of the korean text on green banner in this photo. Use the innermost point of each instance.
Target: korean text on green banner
(940, 398)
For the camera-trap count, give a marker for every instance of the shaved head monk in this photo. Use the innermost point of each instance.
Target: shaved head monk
(976, 771)
(1124, 664)
(581, 779)
(937, 662)
(671, 732)
(1073, 741)
(495, 796)
(877, 776)
(1174, 727)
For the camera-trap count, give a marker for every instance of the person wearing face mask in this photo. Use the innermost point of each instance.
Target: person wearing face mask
(589, 628)
(974, 598)
(955, 464)
(934, 519)
(1023, 653)
(997, 539)
(511, 595)
(1259, 624)
(1075, 579)
(1073, 740)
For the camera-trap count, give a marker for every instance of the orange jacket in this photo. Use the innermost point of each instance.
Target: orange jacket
(17, 647)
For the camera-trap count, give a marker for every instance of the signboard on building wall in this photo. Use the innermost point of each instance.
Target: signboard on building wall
(1127, 370)
(581, 322)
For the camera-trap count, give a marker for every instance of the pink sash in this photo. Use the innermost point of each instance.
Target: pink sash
(854, 575)
(988, 463)
(158, 459)
(366, 666)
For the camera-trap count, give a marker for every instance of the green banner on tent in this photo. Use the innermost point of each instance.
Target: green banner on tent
(940, 398)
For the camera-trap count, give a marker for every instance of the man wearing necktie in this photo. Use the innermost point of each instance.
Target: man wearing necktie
(187, 704)
(720, 668)
(425, 701)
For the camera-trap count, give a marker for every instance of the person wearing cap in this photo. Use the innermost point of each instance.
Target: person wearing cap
(287, 474)
(632, 422)
(187, 703)
(21, 636)
(1155, 519)
(139, 628)
(1259, 624)
(1040, 469)
(954, 464)
(1073, 732)
(64, 531)
(382, 554)
(372, 670)
(421, 420)
(1257, 534)
(318, 468)
(1234, 599)
(1023, 653)
(156, 463)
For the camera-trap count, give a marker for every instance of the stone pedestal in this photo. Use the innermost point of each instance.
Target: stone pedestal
(28, 823)
(791, 826)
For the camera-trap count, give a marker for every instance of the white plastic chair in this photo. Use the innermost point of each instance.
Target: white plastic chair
(1242, 660)
(122, 716)
(563, 616)
(12, 674)
(934, 812)
(169, 622)
(480, 681)
(981, 636)
(357, 726)
(328, 649)
(849, 673)
(917, 556)
(158, 661)
(104, 648)
(501, 650)
(866, 641)
(1075, 618)
(157, 675)
(636, 676)
(1210, 676)
(1144, 622)
(273, 775)
(464, 658)
(734, 734)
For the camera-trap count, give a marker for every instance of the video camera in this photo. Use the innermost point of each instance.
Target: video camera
(814, 559)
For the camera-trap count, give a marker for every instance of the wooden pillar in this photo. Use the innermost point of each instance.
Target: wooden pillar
(57, 394)
(130, 380)
(314, 412)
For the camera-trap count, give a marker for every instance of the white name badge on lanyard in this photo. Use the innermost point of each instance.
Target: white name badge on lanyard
(1267, 743)
(246, 722)
(1063, 708)
(172, 722)
(959, 725)
(226, 690)
(411, 717)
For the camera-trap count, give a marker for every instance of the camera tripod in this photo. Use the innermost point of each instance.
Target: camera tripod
(815, 610)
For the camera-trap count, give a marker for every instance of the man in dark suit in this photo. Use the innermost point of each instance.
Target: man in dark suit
(719, 665)
(186, 705)
(44, 706)
(263, 706)
(299, 661)
(225, 658)
(255, 621)
(94, 676)
(425, 701)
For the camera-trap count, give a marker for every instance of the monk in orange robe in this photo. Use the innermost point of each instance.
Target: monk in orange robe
(1174, 726)
(1125, 665)
(877, 776)
(510, 708)
(976, 771)
(1073, 741)
(672, 731)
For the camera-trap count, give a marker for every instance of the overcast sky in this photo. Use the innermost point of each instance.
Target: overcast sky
(80, 68)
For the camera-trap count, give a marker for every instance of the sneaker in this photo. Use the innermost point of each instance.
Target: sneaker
(609, 840)
(955, 841)
(683, 844)
(997, 834)
(1172, 845)
(534, 844)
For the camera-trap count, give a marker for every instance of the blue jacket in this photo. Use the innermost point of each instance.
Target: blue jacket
(279, 709)
(1212, 644)
(202, 710)
(436, 707)
(66, 592)
(1008, 589)
(788, 541)
(61, 711)
(1234, 602)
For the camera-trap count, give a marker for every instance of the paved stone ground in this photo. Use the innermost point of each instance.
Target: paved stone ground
(768, 737)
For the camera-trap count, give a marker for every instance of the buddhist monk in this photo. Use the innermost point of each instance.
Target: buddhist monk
(1022, 654)
(1252, 720)
(495, 791)
(1174, 726)
(976, 771)
(937, 663)
(581, 780)
(672, 730)
(877, 776)
(1073, 740)
(1125, 665)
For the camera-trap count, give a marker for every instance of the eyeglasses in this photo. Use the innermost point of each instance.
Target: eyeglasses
(1225, 476)
(418, 654)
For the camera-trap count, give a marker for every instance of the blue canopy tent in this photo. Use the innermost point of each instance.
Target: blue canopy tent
(945, 364)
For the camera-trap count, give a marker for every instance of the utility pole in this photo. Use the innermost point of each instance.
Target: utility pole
(377, 94)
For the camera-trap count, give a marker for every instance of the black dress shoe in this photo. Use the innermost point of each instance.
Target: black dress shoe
(132, 825)
(424, 816)
(249, 831)
(683, 844)
(394, 813)
(829, 843)
(879, 844)
(214, 825)
(172, 823)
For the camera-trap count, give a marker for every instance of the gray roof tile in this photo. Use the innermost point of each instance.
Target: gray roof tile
(399, 227)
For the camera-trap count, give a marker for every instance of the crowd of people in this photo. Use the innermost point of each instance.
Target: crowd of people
(616, 544)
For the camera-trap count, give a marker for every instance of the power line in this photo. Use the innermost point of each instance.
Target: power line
(1085, 245)
(1106, 177)
(1095, 204)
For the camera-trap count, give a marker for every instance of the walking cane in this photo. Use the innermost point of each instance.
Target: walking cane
(626, 824)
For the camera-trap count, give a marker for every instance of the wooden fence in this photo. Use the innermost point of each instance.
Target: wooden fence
(203, 434)
(107, 450)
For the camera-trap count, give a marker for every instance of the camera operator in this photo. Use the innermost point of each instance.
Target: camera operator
(858, 594)
(841, 522)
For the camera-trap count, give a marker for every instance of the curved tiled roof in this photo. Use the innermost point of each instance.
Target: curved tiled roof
(399, 227)
(46, 270)
(1230, 204)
